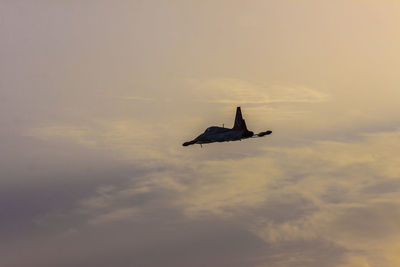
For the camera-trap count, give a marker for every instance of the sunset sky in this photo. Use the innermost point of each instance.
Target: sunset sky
(97, 97)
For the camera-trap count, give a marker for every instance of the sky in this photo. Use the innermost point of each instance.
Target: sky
(97, 97)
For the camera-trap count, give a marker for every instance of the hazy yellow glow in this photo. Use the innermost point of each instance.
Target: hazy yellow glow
(96, 99)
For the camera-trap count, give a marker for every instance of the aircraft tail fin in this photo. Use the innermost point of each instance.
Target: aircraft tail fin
(240, 124)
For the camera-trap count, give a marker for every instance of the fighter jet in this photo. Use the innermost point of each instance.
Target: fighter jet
(221, 134)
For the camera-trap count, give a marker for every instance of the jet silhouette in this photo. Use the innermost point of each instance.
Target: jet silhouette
(221, 134)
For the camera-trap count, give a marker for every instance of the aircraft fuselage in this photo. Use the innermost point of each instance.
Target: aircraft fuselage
(220, 134)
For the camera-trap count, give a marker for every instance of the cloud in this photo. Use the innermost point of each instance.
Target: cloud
(318, 195)
(115, 216)
(239, 92)
(127, 136)
(348, 184)
(314, 252)
(229, 183)
(325, 196)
